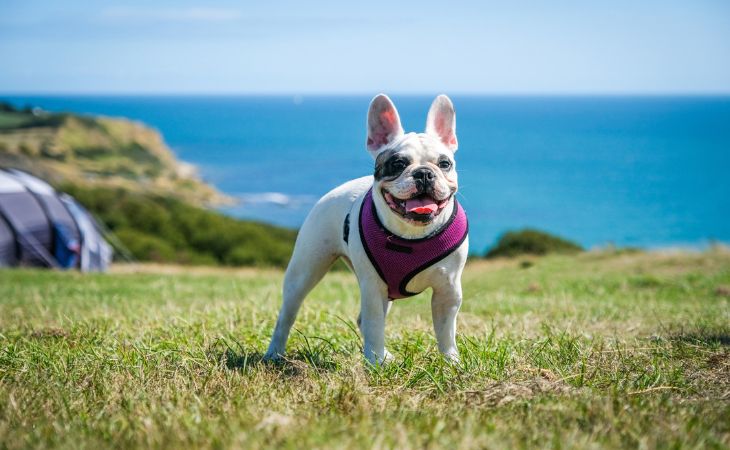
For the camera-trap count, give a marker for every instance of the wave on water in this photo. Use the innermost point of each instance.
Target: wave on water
(275, 198)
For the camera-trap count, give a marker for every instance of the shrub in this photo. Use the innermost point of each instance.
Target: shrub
(531, 242)
(6, 107)
(146, 247)
(163, 229)
(245, 255)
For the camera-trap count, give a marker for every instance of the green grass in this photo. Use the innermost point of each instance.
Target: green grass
(9, 119)
(599, 350)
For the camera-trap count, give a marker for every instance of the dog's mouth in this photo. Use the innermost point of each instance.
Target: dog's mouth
(421, 208)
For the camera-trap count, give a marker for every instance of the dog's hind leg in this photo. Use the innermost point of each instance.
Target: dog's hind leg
(309, 263)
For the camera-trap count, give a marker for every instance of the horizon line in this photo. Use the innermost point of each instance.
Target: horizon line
(364, 94)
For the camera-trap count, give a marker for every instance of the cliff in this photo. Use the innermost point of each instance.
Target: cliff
(98, 151)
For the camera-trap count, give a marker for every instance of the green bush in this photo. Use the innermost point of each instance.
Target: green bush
(245, 255)
(531, 242)
(146, 247)
(164, 229)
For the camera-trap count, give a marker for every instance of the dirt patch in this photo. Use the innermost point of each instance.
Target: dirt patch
(50, 333)
(722, 291)
(719, 361)
(502, 393)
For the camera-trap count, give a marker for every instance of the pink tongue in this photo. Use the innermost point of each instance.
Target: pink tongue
(423, 205)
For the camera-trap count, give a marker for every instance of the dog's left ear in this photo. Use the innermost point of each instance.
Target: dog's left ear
(441, 122)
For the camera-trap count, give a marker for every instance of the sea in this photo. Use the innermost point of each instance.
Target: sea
(600, 170)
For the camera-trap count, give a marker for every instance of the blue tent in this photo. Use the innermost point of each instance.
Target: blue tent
(41, 227)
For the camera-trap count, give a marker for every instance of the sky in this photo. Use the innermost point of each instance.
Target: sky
(289, 47)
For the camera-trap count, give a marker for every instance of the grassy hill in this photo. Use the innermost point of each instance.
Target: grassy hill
(598, 350)
(98, 152)
(123, 172)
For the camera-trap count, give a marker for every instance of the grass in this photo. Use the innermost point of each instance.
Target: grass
(9, 119)
(599, 350)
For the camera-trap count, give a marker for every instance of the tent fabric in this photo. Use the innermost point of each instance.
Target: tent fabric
(30, 224)
(67, 236)
(31, 183)
(96, 253)
(8, 184)
(40, 227)
(8, 247)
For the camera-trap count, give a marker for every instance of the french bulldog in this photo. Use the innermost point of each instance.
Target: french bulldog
(400, 230)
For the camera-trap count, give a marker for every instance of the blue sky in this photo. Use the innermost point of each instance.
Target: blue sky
(517, 47)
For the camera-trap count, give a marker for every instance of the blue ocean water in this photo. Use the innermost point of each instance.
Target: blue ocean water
(639, 171)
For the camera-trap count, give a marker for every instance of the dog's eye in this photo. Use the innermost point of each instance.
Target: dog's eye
(398, 165)
(445, 164)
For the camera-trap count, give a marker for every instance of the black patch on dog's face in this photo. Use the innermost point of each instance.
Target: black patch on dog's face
(390, 164)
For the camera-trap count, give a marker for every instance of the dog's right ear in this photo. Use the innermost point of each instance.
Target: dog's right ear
(383, 124)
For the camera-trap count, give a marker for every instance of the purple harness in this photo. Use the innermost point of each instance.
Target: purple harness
(402, 258)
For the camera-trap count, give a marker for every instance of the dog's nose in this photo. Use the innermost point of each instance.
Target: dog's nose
(424, 175)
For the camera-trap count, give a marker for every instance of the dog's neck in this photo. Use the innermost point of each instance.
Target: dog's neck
(406, 230)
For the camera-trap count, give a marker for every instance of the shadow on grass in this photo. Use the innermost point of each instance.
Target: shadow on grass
(294, 363)
(708, 338)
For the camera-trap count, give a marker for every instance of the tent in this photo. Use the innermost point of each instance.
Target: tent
(43, 228)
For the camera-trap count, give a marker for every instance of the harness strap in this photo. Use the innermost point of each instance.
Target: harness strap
(346, 229)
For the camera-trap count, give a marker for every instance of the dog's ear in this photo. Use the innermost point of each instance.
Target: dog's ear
(383, 124)
(441, 122)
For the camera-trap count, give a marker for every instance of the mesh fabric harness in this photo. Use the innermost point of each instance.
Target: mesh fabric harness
(398, 260)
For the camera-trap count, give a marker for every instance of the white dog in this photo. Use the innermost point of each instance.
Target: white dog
(400, 230)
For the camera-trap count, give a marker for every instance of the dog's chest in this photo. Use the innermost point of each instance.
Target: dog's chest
(398, 260)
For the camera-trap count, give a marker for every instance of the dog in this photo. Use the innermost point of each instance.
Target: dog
(400, 230)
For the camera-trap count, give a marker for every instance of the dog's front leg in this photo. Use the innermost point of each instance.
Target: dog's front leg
(445, 304)
(374, 306)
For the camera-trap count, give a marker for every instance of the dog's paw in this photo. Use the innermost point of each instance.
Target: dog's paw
(273, 356)
(376, 360)
(452, 357)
